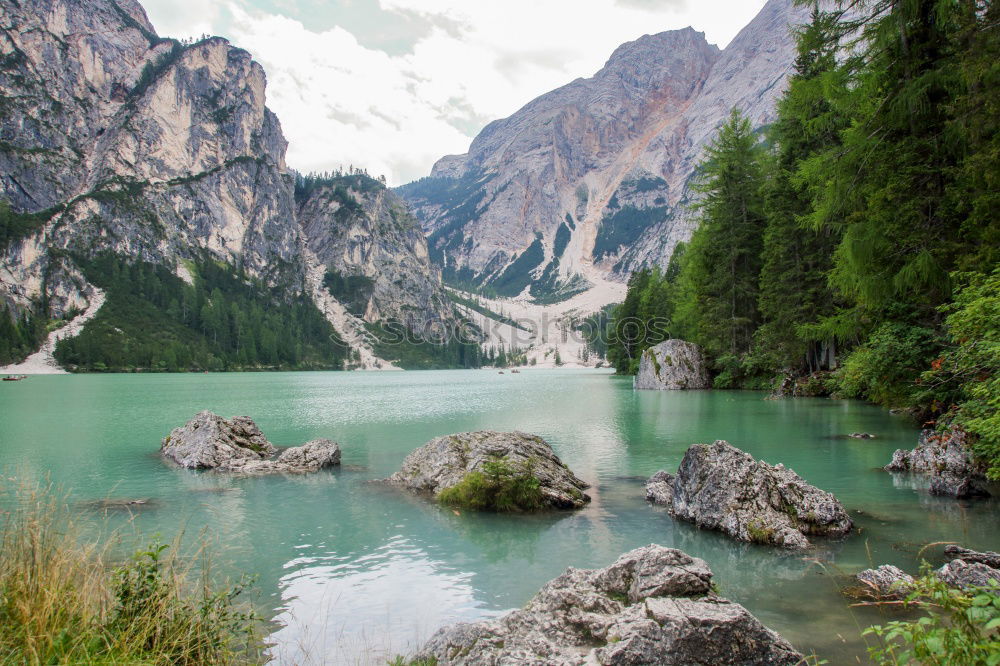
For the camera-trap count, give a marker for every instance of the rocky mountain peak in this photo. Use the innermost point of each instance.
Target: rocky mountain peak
(590, 181)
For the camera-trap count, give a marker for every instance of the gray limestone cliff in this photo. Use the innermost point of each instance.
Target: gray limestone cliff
(114, 140)
(593, 178)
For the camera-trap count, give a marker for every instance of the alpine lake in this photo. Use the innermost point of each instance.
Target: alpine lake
(353, 572)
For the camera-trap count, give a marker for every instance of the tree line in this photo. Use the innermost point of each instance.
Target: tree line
(856, 247)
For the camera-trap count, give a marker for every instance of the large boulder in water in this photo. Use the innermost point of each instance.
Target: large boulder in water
(672, 365)
(209, 441)
(719, 487)
(444, 462)
(654, 605)
(946, 459)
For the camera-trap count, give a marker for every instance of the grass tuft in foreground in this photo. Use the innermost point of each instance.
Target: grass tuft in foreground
(500, 486)
(63, 601)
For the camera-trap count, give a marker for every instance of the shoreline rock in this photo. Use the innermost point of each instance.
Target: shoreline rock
(718, 486)
(653, 605)
(444, 462)
(947, 461)
(237, 445)
(672, 365)
(967, 568)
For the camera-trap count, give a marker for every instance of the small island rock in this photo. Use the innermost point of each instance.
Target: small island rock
(717, 486)
(209, 441)
(654, 605)
(672, 365)
(444, 462)
(886, 582)
(946, 459)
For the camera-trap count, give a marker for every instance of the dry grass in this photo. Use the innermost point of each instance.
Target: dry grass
(65, 599)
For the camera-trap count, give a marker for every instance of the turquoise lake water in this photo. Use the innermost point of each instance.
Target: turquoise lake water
(352, 571)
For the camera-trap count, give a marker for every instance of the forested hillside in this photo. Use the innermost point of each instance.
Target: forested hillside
(855, 248)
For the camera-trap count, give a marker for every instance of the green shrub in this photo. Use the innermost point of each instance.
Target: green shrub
(886, 368)
(500, 486)
(961, 627)
(965, 381)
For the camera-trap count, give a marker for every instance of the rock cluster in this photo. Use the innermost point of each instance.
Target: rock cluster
(719, 487)
(209, 441)
(967, 568)
(947, 461)
(654, 605)
(672, 365)
(444, 461)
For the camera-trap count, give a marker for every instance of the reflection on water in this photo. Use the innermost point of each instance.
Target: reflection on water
(348, 567)
(346, 608)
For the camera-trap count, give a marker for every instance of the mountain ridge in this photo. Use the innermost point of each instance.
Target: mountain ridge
(114, 140)
(611, 170)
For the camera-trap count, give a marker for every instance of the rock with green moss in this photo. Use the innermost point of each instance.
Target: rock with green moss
(654, 605)
(719, 487)
(673, 365)
(489, 470)
(209, 441)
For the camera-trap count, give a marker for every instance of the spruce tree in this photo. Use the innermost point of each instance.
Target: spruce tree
(722, 264)
(796, 258)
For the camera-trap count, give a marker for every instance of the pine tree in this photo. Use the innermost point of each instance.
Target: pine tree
(721, 268)
(794, 290)
(886, 187)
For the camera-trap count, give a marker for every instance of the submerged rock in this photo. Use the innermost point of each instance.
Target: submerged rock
(947, 461)
(209, 441)
(654, 605)
(444, 462)
(886, 582)
(719, 487)
(988, 558)
(672, 365)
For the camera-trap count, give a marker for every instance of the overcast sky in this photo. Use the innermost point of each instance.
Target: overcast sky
(392, 85)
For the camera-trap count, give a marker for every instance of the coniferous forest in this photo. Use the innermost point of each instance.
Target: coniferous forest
(853, 249)
(154, 320)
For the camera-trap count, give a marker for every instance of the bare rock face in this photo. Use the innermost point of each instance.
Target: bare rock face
(444, 461)
(654, 605)
(209, 441)
(886, 582)
(367, 239)
(719, 487)
(123, 142)
(947, 461)
(672, 365)
(596, 174)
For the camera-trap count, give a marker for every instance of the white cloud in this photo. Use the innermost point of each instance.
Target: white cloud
(341, 103)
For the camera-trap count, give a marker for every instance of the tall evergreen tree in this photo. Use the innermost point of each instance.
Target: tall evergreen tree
(887, 187)
(794, 290)
(722, 264)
